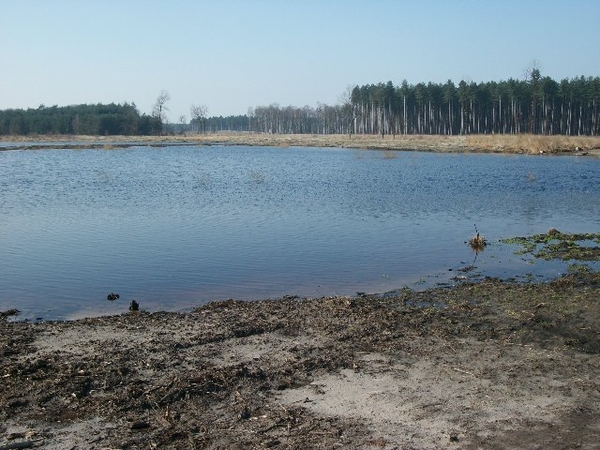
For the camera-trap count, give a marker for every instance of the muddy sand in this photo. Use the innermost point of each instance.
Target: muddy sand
(481, 365)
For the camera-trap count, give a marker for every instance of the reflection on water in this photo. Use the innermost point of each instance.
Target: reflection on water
(179, 226)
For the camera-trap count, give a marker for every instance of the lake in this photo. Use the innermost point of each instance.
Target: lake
(177, 227)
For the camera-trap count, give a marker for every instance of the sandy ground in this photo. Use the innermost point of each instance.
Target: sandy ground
(478, 366)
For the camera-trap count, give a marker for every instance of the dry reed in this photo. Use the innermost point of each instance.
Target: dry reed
(477, 241)
(521, 143)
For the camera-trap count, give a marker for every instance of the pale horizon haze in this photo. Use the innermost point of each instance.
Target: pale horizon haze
(232, 55)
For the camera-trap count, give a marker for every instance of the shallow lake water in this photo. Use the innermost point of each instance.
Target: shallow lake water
(177, 227)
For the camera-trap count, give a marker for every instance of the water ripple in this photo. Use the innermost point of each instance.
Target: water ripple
(175, 227)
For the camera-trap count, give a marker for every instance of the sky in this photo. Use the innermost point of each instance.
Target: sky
(231, 55)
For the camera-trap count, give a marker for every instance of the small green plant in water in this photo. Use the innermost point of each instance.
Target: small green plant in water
(579, 268)
(526, 245)
(557, 245)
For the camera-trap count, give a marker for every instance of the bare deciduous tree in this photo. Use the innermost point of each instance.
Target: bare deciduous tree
(198, 114)
(160, 107)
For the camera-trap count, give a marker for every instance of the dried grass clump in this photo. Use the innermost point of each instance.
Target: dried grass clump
(477, 241)
(533, 144)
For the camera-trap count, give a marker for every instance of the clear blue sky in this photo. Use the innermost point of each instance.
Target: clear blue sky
(234, 54)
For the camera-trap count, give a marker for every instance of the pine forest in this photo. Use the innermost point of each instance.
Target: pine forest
(535, 105)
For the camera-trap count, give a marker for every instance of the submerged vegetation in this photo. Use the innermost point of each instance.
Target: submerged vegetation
(558, 245)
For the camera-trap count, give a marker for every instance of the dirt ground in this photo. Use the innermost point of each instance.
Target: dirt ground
(481, 365)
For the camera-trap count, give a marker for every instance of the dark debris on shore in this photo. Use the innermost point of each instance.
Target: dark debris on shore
(157, 381)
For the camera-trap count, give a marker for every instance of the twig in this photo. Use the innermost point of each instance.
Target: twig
(463, 371)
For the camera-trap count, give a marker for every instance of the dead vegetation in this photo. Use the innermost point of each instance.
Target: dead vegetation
(472, 362)
(523, 143)
(535, 144)
(477, 241)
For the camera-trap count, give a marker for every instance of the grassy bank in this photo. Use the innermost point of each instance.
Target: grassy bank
(520, 144)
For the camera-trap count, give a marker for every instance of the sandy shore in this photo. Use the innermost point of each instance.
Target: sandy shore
(521, 144)
(479, 366)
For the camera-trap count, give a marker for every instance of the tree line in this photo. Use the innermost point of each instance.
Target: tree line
(537, 105)
(323, 119)
(111, 119)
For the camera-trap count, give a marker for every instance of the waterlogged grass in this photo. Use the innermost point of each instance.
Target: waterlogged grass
(579, 268)
(556, 245)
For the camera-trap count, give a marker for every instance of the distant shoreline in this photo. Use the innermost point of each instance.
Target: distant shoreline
(509, 144)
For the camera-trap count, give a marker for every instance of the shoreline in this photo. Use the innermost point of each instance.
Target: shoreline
(499, 365)
(504, 144)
